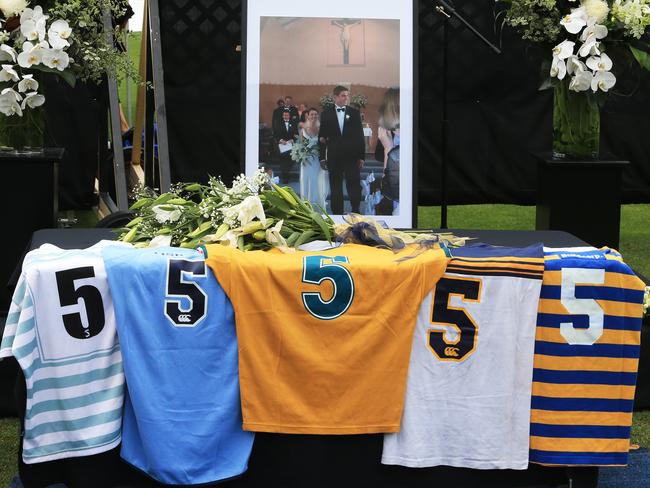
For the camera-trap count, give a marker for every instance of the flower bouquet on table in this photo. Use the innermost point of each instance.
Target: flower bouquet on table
(304, 150)
(590, 43)
(252, 214)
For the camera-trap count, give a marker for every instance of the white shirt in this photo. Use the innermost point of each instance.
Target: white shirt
(340, 116)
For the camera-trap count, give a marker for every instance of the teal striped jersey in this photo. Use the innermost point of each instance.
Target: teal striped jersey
(61, 330)
(587, 349)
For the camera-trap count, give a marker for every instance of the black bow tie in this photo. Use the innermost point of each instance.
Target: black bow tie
(340, 109)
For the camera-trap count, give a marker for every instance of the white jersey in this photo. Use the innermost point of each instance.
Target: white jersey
(61, 330)
(469, 382)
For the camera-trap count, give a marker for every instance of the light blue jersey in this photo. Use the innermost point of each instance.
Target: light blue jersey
(182, 418)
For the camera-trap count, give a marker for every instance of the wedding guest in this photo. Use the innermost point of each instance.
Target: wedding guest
(388, 134)
(343, 150)
(302, 114)
(286, 132)
(277, 114)
(293, 110)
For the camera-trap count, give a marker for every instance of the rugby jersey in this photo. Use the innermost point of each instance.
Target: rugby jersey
(469, 381)
(61, 330)
(586, 358)
(325, 337)
(182, 417)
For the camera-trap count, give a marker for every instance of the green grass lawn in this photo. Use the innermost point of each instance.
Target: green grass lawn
(635, 246)
(134, 53)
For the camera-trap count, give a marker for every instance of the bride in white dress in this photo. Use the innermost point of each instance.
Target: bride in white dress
(314, 184)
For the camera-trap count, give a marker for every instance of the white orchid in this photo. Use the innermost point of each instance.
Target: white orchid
(575, 21)
(34, 29)
(35, 14)
(167, 213)
(229, 238)
(8, 73)
(32, 54)
(594, 31)
(10, 92)
(558, 68)
(9, 106)
(564, 49)
(600, 63)
(28, 83)
(250, 209)
(12, 7)
(574, 65)
(603, 80)
(56, 59)
(58, 34)
(7, 53)
(589, 48)
(33, 100)
(598, 10)
(581, 81)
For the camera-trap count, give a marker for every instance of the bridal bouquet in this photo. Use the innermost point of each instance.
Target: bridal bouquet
(304, 150)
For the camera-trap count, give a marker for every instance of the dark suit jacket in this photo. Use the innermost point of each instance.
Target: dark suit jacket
(346, 147)
(281, 131)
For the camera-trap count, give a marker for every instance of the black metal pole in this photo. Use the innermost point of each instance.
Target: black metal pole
(445, 122)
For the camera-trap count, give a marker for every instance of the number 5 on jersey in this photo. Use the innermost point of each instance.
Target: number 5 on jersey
(455, 337)
(179, 286)
(317, 269)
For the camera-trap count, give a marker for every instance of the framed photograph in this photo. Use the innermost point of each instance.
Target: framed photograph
(329, 90)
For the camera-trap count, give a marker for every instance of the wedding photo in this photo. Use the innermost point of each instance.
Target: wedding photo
(329, 111)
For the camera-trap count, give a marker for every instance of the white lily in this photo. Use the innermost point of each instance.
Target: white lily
(7, 53)
(229, 239)
(581, 81)
(161, 241)
(603, 80)
(575, 21)
(56, 59)
(564, 49)
(594, 31)
(590, 47)
(600, 63)
(12, 7)
(274, 237)
(558, 68)
(33, 100)
(250, 209)
(28, 83)
(8, 73)
(58, 34)
(13, 93)
(9, 106)
(574, 65)
(170, 213)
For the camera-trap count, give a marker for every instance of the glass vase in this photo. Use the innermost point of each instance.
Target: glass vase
(576, 124)
(24, 134)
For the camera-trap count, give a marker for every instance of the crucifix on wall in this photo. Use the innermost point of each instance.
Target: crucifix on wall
(346, 26)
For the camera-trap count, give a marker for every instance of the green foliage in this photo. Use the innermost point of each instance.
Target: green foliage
(91, 51)
(642, 57)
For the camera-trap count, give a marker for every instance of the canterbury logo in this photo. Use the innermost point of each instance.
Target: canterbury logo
(451, 352)
(185, 318)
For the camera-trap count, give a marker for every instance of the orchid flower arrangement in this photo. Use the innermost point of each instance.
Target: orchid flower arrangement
(37, 42)
(587, 38)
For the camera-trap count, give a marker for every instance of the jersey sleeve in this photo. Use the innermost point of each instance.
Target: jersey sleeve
(431, 270)
(20, 319)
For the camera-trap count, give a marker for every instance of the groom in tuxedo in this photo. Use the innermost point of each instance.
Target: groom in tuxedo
(343, 149)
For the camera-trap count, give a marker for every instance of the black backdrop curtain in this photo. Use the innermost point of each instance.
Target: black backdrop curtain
(497, 115)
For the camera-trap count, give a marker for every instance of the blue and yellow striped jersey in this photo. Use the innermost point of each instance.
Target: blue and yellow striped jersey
(586, 358)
